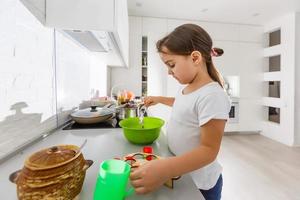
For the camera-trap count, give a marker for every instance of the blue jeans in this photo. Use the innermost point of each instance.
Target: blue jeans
(215, 192)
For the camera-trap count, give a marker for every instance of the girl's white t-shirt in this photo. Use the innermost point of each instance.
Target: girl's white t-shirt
(189, 113)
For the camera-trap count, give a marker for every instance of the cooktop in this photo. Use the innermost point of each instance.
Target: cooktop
(112, 123)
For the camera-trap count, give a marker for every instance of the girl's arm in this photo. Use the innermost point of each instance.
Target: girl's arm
(153, 100)
(150, 176)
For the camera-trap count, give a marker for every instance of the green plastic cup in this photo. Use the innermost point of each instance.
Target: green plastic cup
(112, 181)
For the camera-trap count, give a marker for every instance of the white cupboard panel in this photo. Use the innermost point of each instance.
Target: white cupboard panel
(154, 26)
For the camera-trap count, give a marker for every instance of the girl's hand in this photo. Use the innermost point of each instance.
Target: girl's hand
(150, 176)
(151, 101)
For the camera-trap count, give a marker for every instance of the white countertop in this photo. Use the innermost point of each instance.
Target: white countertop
(102, 144)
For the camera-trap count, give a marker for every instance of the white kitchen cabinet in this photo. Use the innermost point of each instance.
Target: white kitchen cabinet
(157, 70)
(92, 15)
(144, 62)
(131, 78)
(81, 15)
(155, 29)
(85, 16)
(37, 8)
(154, 26)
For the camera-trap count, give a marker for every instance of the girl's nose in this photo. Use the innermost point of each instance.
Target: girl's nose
(170, 72)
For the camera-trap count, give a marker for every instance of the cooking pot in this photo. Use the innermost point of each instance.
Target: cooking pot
(53, 173)
(130, 109)
(92, 115)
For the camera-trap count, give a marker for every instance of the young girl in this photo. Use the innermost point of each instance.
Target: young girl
(199, 114)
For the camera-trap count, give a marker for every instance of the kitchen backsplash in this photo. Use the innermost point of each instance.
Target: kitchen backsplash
(43, 77)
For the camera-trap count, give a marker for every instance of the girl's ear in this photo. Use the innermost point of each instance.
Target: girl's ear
(196, 57)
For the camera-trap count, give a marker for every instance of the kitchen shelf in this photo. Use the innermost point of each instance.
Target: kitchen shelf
(272, 77)
(272, 51)
(144, 64)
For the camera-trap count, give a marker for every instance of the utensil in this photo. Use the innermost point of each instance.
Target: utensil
(92, 115)
(130, 109)
(141, 113)
(81, 146)
(135, 133)
(112, 180)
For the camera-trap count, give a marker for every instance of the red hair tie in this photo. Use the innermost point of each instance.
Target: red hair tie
(213, 53)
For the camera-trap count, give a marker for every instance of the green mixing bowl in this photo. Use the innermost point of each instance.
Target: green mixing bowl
(136, 134)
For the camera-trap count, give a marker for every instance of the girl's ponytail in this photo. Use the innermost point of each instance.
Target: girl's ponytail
(214, 73)
(211, 69)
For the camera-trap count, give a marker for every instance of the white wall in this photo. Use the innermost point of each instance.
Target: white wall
(283, 132)
(72, 76)
(243, 58)
(31, 69)
(26, 77)
(98, 73)
(297, 82)
(80, 74)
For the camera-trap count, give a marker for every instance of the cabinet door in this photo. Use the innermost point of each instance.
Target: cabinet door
(130, 78)
(37, 8)
(81, 14)
(157, 71)
(155, 29)
(121, 21)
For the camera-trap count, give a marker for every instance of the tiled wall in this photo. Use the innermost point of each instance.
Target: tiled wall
(33, 89)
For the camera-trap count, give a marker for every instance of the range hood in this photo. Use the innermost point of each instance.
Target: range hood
(99, 41)
(98, 25)
(91, 41)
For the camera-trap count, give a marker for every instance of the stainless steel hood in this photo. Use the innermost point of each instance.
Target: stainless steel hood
(93, 41)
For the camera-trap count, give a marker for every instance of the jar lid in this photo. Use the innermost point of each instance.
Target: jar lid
(52, 157)
(92, 112)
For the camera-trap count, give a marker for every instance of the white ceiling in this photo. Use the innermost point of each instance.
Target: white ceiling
(258, 12)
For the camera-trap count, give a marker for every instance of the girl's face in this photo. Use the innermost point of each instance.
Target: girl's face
(183, 68)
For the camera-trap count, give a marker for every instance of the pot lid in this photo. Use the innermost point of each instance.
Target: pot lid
(92, 112)
(52, 157)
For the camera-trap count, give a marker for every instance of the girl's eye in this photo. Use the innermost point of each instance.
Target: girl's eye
(172, 66)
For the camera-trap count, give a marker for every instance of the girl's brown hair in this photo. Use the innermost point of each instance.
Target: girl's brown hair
(188, 38)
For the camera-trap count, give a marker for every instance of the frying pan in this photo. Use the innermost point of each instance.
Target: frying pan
(92, 115)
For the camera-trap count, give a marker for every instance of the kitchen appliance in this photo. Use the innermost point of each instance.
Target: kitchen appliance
(234, 113)
(110, 123)
(57, 172)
